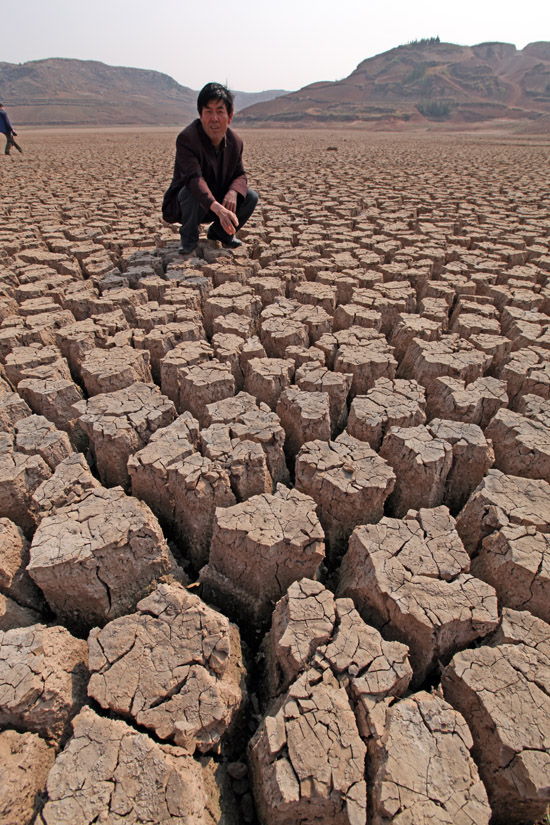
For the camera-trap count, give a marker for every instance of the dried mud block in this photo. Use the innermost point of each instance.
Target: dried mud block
(305, 355)
(525, 328)
(70, 482)
(267, 287)
(124, 299)
(76, 340)
(248, 470)
(307, 758)
(109, 324)
(205, 384)
(35, 306)
(500, 500)
(163, 338)
(467, 324)
(527, 371)
(149, 468)
(521, 627)
(12, 614)
(174, 666)
(516, 562)
(355, 315)
(279, 333)
(313, 377)
(53, 399)
(15, 582)
(25, 761)
(228, 350)
(535, 408)
(233, 324)
(108, 370)
(150, 315)
(250, 421)
(94, 558)
(421, 765)
(310, 626)
(421, 463)
(12, 409)
(43, 678)
(303, 620)
(230, 298)
(475, 403)
(244, 460)
(251, 348)
(410, 578)
(522, 446)
(304, 416)
(348, 481)
(451, 356)
(317, 294)
(435, 310)
(35, 435)
(366, 355)
(397, 403)
(119, 424)
(496, 347)
(266, 378)
(198, 486)
(503, 692)
(26, 362)
(177, 361)
(409, 327)
(109, 772)
(472, 456)
(314, 318)
(20, 475)
(259, 547)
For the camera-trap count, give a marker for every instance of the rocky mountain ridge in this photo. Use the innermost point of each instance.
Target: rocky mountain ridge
(424, 82)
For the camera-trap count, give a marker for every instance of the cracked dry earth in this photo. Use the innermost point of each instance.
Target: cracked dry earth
(275, 524)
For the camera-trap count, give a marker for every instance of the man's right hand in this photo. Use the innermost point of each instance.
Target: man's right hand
(228, 220)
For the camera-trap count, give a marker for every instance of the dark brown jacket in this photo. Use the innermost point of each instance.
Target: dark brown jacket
(196, 167)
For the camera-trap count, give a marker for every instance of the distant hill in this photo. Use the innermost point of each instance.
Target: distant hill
(245, 99)
(63, 92)
(424, 82)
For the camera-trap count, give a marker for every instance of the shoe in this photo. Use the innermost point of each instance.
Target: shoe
(186, 249)
(234, 243)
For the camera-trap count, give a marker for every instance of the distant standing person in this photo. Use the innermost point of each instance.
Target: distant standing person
(7, 129)
(209, 183)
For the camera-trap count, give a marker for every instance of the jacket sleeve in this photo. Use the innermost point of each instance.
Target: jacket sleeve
(8, 128)
(239, 183)
(190, 172)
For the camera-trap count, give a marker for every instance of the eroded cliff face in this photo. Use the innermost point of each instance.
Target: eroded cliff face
(421, 83)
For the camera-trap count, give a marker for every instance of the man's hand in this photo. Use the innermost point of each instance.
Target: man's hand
(228, 219)
(230, 201)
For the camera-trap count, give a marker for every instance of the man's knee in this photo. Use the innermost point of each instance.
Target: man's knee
(252, 198)
(246, 205)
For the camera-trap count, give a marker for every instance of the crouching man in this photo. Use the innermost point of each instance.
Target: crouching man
(209, 183)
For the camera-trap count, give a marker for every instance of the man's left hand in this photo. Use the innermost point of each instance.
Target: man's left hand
(230, 201)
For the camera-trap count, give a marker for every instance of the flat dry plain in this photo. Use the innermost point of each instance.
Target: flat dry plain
(275, 524)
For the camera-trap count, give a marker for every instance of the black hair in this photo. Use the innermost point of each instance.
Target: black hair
(215, 91)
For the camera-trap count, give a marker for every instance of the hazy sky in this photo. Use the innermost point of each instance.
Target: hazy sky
(251, 44)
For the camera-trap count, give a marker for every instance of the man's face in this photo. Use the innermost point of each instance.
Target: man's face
(215, 120)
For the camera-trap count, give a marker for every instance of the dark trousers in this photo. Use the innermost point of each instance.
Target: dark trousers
(193, 214)
(9, 143)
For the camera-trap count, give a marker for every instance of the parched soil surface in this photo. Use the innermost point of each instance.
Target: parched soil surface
(275, 523)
